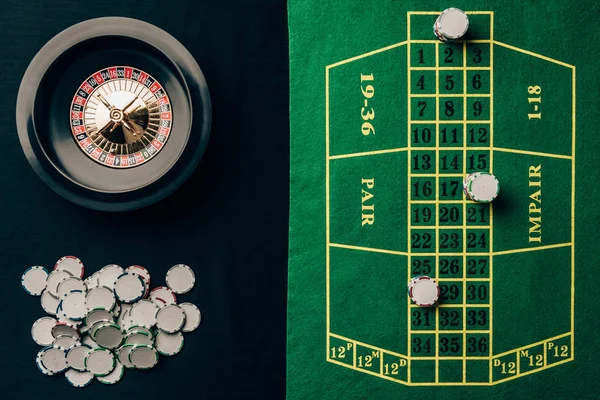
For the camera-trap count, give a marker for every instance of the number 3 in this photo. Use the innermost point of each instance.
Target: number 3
(369, 115)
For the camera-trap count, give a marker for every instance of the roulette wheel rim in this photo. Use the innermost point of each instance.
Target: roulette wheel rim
(191, 116)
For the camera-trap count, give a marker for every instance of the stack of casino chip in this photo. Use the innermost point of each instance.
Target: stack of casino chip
(108, 322)
(423, 291)
(481, 187)
(452, 24)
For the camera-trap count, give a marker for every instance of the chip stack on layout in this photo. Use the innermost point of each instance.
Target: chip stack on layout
(451, 25)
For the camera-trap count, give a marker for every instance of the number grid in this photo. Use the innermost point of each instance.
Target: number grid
(449, 159)
(491, 209)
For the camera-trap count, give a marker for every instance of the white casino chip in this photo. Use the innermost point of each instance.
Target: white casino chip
(192, 317)
(139, 337)
(98, 314)
(72, 305)
(169, 344)
(100, 297)
(163, 293)
(170, 318)
(41, 331)
(34, 280)
(64, 328)
(49, 303)
(452, 24)
(54, 359)
(424, 291)
(129, 288)
(92, 281)
(143, 356)
(180, 278)
(108, 336)
(70, 284)
(71, 264)
(141, 271)
(123, 355)
(54, 279)
(123, 320)
(76, 355)
(143, 313)
(160, 303)
(100, 362)
(108, 275)
(142, 328)
(38, 362)
(115, 376)
(64, 341)
(97, 325)
(78, 378)
(482, 187)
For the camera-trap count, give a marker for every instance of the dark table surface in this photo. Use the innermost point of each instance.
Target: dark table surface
(229, 221)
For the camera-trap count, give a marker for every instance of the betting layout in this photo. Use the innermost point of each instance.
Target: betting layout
(437, 168)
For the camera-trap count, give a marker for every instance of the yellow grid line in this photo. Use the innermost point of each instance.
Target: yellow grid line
(346, 61)
(409, 156)
(436, 175)
(464, 228)
(371, 249)
(573, 221)
(439, 12)
(455, 332)
(390, 378)
(368, 153)
(461, 279)
(517, 49)
(464, 95)
(437, 203)
(436, 41)
(451, 68)
(491, 207)
(527, 249)
(450, 121)
(440, 201)
(449, 254)
(327, 220)
(480, 148)
(369, 372)
(533, 153)
(448, 305)
(451, 358)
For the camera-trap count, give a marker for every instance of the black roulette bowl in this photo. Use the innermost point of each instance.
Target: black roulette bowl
(47, 92)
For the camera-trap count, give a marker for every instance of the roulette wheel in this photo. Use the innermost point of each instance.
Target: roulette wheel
(113, 114)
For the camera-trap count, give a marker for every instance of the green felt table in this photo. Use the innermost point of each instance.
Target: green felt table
(386, 121)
